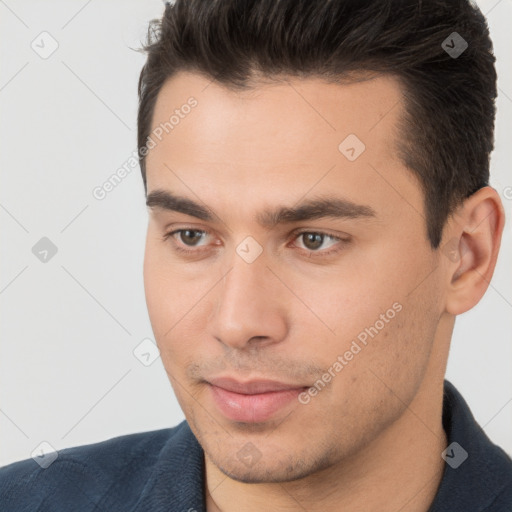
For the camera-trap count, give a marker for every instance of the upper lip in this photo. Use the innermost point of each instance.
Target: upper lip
(252, 387)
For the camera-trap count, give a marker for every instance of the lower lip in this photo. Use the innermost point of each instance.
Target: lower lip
(252, 408)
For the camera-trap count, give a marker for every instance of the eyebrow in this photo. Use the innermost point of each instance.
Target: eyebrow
(317, 208)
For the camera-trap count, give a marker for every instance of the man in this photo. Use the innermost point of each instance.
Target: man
(317, 220)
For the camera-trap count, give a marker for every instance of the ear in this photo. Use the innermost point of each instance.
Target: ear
(474, 238)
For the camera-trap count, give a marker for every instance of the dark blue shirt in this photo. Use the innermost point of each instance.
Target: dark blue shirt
(163, 471)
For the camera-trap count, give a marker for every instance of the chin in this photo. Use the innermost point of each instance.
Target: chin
(277, 470)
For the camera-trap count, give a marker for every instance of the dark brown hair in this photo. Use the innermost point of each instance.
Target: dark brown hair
(447, 131)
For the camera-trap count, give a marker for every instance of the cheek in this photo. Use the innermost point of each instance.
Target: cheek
(383, 312)
(154, 285)
(161, 286)
(173, 303)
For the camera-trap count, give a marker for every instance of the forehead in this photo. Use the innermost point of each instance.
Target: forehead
(275, 139)
(292, 118)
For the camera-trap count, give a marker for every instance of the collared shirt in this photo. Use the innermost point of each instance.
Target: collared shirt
(163, 471)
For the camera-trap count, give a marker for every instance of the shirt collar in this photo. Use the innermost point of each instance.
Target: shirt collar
(476, 470)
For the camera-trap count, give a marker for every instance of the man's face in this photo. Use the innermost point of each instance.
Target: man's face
(341, 308)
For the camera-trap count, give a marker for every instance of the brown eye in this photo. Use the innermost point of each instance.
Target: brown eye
(189, 236)
(312, 241)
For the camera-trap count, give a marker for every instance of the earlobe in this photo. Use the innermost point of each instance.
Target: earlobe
(475, 242)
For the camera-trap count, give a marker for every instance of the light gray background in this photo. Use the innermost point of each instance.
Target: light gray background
(69, 326)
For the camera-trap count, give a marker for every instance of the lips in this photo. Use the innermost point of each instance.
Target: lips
(253, 401)
(253, 387)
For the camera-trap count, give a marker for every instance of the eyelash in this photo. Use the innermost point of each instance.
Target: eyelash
(296, 235)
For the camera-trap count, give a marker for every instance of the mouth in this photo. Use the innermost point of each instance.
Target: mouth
(253, 401)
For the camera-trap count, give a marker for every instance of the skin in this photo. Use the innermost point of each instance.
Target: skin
(372, 438)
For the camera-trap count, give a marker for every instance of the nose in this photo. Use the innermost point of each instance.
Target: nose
(250, 307)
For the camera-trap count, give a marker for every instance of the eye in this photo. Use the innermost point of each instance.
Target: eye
(315, 240)
(188, 237)
(312, 241)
